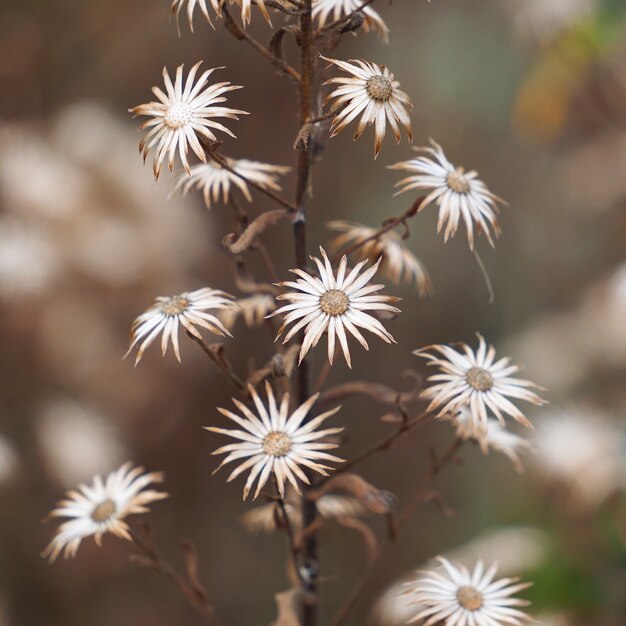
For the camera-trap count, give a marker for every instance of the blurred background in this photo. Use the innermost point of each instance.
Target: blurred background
(531, 93)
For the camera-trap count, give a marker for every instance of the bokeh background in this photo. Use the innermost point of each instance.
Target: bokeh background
(531, 93)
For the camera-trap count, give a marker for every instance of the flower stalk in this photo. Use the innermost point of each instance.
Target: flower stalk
(310, 553)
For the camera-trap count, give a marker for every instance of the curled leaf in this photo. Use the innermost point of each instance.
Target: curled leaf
(288, 605)
(367, 534)
(375, 500)
(240, 244)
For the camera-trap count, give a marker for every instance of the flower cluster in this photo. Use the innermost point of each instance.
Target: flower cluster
(282, 447)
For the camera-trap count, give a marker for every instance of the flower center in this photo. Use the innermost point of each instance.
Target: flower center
(334, 302)
(379, 88)
(479, 378)
(174, 306)
(457, 181)
(469, 598)
(178, 114)
(103, 511)
(276, 444)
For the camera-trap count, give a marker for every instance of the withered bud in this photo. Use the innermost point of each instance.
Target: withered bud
(354, 23)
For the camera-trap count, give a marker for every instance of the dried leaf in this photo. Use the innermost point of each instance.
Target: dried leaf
(288, 605)
(191, 569)
(381, 393)
(141, 561)
(367, 534)
(304, 135)
(279, 365)
(246, 284)
(237, 245)
(276, 42)
(374, 500)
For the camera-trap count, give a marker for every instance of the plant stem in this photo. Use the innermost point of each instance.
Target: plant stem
(241, 34)
(221, 364)
(384, 444)
(386, 226)
(190, 587)
(310, 614)
(438, 464)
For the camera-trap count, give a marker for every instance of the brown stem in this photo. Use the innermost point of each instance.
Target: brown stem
(286, 523)
(381, 445)
(359, 589)
(219, 361)
(386, 226)
(310, 563)
(223, 161)
(322, 376)
(242, 34)
(190, 588)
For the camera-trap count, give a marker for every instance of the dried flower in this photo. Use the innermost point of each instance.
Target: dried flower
(457, 193)
(246, 10)
(398, 260)
(181, 114)
(275, 441)
(167, 314)
(371, 90)
(30, 260)
(77, 441)
(215, 180)
(323, 8)
(453, 596)
(253, 309)
(495, 436)
(101, 508)
(263, 518)
(473, 380)
(333, 305)
(177, 6)
(592, 466)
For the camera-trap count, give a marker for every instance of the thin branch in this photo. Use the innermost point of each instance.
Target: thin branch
(211, 150)
(386, 226)
(286, 523)
(322, 376)
(379, 446)
(322, 118)
(483, 270)
(190, 588)
(425, 492)
(215, 354)
(377, 391)
(241, 34)
(360, 587)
